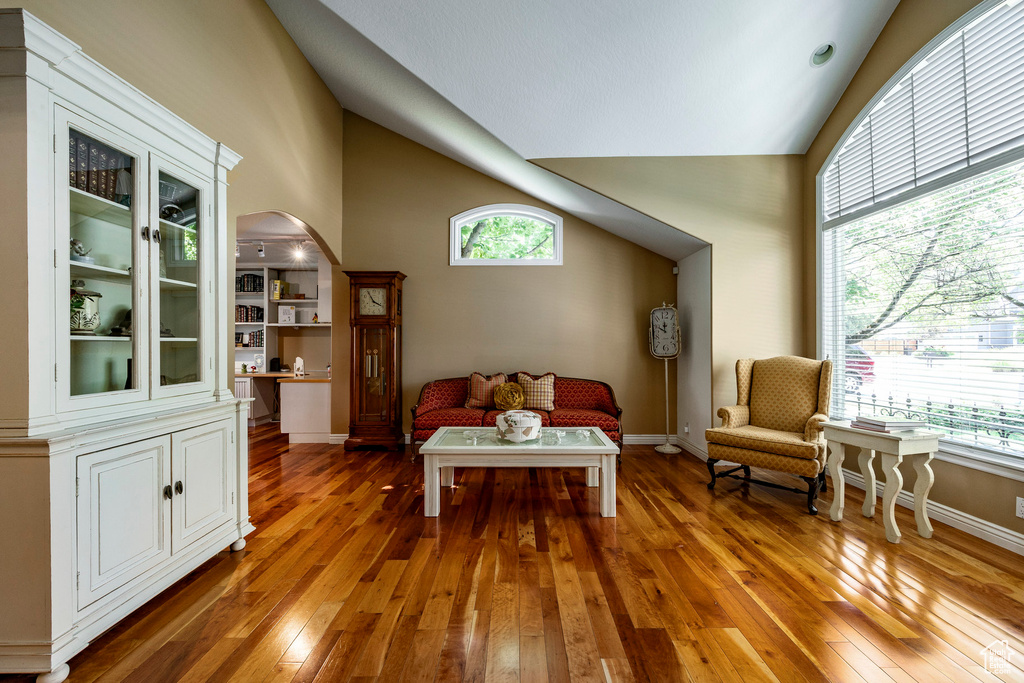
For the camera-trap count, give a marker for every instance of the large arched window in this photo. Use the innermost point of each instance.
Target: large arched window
(921, 209)
(506, 234)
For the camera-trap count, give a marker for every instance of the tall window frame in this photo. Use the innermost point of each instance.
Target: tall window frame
(473, 216)
(870, 197)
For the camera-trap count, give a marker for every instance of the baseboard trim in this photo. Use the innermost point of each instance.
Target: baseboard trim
(691, 447)
(979, 528)
(339, 439)
(645, 439)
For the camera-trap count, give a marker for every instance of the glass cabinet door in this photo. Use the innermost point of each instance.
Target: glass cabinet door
(101, 207)
(178, 241)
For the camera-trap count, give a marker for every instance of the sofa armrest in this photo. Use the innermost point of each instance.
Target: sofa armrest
(813, 430)
(734, 416)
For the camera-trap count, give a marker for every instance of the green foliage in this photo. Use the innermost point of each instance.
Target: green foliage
(190, 246)
(944, 256)
(508, 237)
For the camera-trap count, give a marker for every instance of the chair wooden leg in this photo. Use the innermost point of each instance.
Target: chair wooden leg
(823, 482)
(746, 471)
(812, 493)
(711, 469)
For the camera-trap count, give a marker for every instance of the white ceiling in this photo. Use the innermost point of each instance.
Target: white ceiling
(491, 84)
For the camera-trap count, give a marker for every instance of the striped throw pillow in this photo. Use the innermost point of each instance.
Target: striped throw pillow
(481, 389)
(539, 392)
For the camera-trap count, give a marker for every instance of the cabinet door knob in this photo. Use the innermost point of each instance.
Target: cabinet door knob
(156, 235)
(145, 232)
(179, 487)
(168, 494)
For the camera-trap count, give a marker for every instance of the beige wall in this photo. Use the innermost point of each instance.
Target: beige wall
(749, 209)
(911, 26)
(229, 69)
(586, 318)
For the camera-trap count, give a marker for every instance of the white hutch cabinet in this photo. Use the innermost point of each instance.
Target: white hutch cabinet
(123, 457)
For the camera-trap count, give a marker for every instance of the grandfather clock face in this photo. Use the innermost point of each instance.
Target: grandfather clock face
(373, 301)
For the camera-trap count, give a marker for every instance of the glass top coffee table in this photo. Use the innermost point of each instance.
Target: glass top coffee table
(451, 447)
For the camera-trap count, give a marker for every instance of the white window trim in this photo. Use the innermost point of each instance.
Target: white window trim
(473, 215)
(979, 459)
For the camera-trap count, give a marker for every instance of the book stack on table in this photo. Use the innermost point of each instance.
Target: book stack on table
(887, 426)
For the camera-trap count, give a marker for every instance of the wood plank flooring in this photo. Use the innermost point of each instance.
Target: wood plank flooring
(520, 579)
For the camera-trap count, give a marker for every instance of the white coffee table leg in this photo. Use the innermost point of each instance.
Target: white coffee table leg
(593, 476)
(925, 479)
(447, 476)
(837, 452)
(893, 484)
(866, 460)
(431, 486)
(608, 485)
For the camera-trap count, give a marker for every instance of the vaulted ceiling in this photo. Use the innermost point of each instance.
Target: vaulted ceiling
(493, 84)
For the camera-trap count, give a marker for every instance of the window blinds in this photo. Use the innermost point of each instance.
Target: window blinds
(923, 310)
(960, 105)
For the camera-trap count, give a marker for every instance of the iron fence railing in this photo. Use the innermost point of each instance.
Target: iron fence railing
(991, 425)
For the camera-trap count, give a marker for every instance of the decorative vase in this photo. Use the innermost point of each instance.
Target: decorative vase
(85, 320)
(518, 426)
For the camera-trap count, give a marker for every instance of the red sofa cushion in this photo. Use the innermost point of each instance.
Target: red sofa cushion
(578, 417)
(585, 394)
(450, 417)
(443, 393)
(490, 418)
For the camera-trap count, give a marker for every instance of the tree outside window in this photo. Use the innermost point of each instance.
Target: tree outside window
(506, 234)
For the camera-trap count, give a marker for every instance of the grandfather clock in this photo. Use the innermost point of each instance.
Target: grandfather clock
(375, 321)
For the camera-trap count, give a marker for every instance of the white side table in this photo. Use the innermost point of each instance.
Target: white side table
(918, 446)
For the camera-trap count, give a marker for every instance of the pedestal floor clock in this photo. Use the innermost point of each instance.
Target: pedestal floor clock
(375, 324)
(664, 340)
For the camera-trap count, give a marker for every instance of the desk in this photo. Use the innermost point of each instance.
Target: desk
(306, 408)
(262, 388)
(919, 446)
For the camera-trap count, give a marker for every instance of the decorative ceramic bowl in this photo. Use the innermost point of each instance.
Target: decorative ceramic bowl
(518, 426)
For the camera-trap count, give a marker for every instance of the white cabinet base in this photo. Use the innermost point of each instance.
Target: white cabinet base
(57, 595)
(55, 676)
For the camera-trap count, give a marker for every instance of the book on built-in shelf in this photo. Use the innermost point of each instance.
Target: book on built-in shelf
(249, 283)
(248, 314)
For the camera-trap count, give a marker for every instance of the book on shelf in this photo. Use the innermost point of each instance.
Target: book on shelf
(82, 177)
(248, 314)
(249, 283)
(73, 150)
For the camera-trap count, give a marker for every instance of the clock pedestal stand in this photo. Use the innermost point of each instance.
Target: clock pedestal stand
(375, 323)
(665, 343)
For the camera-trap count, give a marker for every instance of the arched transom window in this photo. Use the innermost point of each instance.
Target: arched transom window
(506, 234)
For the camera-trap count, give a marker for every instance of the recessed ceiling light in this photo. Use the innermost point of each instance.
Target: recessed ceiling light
(824, 53)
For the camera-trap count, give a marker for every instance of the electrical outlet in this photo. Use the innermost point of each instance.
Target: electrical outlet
(1020, 507)
(686, 430)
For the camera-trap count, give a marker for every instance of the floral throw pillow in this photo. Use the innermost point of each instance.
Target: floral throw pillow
(538, 392)
(481, 389)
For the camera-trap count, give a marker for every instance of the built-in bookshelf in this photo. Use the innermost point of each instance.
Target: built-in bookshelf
(264, 294)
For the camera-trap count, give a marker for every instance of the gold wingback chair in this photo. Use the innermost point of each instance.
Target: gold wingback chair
(776, 422)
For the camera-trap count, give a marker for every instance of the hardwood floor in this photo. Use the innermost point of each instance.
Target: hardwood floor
(521, 579)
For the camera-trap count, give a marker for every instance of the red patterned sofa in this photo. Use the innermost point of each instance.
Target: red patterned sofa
(578, 403)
